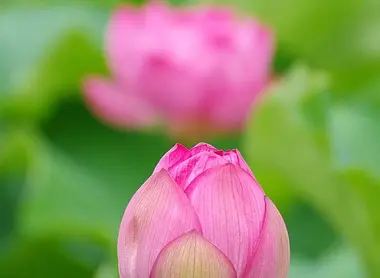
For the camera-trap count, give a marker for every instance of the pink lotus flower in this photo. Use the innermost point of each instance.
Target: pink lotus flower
(192, 69)
(202, 214)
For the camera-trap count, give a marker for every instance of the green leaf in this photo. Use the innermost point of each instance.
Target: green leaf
(339, 263)
(40, 258)
(83, 177)
(16, 146)
(310, 234)
(123, 158)
(355, 133)
(107, 270)
(10, 191)
(277, 125)
(64, 43)
(62, 200)
(294, 142)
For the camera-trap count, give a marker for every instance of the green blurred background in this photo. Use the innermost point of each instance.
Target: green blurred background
(313, 143)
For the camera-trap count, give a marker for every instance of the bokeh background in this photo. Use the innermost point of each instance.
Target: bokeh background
(313, 142)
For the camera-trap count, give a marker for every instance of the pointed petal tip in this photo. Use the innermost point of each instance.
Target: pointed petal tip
(191, 255)
(180, 146)
(231, 168)
(203, 144)
(176, 154)
(202, 147)
(162, 173)
(111, 104)
(95, 89)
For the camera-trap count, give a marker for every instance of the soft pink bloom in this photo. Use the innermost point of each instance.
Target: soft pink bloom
(202, 214)
(189, 68)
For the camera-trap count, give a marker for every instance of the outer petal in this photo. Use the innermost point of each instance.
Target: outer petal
(272, 257)
(230, 206)
(158, 213)
(192, 256)
(115, 107)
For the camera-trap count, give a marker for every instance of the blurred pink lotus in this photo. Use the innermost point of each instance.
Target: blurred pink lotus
(195, 70)
(202, 214)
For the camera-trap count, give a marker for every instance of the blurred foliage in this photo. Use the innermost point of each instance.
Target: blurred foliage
(312, 142)
(65, 47)
(322, 167)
